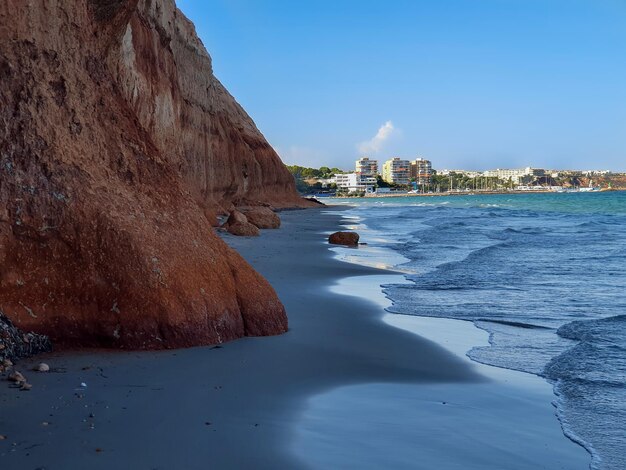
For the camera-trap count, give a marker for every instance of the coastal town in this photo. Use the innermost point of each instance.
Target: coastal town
(398, 176)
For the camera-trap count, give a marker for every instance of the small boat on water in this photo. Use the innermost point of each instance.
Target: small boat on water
(584, 189)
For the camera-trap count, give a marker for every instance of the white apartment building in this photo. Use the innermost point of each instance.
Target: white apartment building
(365, 166)
(355, 182)
(397, 171)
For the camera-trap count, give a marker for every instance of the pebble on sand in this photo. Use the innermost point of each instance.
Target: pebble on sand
(42, 367)
(17, 377)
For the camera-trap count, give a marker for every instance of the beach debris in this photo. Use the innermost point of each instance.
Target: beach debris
(83, 385)
(3, 437)
(42, 367)
(26, 387)
(16, 344)
(45, 423)
(344, 238)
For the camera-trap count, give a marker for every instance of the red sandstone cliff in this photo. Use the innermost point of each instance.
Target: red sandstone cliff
(117, 144)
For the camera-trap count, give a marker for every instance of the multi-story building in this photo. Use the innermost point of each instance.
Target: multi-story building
(396, 171)
(518, 176)
(365, 166)
(355, 182)
(421, 171)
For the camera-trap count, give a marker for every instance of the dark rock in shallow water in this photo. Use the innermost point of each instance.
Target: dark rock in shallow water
(15, 344)
(344, 238)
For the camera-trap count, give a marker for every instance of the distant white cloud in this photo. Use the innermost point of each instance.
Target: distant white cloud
(376, 143)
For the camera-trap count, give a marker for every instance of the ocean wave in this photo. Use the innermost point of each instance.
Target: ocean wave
(522, 274)
(591, 330)
(529, 230)
(515, 323)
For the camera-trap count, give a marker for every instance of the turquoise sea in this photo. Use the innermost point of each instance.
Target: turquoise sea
(544, 274)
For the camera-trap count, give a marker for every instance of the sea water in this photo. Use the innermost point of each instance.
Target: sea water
(543, 274)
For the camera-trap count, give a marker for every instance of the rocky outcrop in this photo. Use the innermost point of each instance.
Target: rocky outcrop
(344, 238)
(262, 217)
(117, 148)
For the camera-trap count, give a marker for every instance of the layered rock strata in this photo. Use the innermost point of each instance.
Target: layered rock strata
(118, 147)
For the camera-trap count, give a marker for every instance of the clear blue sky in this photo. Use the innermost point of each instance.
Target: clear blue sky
(469, 84)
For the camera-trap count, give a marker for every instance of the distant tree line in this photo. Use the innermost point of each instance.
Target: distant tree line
(305, 177)
(304, 173)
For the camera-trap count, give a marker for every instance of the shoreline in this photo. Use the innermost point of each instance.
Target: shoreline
(241, 403)
(459, 336)
(465, 193)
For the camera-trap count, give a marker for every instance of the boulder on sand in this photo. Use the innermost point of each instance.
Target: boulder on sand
(243, 230)
(344, 238)
(262, 217)
(237, 224)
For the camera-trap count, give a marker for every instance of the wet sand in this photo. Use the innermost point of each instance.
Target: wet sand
(250, 403)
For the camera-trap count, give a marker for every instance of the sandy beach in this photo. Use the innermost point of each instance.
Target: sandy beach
(349, 386)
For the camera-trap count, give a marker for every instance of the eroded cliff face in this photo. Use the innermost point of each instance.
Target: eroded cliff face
(117, 144)
(166, 76)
